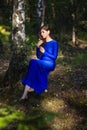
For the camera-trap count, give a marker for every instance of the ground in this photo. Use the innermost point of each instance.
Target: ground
(63, 107)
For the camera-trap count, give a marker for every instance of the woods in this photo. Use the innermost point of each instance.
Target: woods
(66, 100)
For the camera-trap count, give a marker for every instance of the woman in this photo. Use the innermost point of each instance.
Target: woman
(39, 69)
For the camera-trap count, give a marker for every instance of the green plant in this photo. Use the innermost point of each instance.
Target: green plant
(80, 59)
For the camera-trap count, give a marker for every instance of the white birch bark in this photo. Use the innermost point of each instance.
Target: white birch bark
(41, 12)
(18, 23)
(18, 56)
(73, 30)
(73, 2)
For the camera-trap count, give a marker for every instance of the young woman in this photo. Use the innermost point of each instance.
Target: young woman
(36, 78)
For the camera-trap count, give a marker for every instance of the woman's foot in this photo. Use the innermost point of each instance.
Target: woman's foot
(23, 98)
(31, 90)
(25, 93)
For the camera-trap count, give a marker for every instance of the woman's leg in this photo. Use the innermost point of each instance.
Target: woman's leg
(26, 90)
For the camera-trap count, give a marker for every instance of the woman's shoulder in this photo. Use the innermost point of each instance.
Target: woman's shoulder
(54, 41)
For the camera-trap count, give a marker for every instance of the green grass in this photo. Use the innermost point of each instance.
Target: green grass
(80, 59)
(82, 35)
(50, 110)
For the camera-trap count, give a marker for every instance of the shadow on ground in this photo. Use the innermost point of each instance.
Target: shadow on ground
(63, 107)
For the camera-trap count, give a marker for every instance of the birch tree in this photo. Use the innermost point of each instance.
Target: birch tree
(18, 23)
(41, 12)
(74, 8)
(18, 57)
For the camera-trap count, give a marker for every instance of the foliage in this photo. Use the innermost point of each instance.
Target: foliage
(82, 35)
(8, 115)
(31, 41)
(60, 18)
(4, 33)
(70, 73)
(80, 59)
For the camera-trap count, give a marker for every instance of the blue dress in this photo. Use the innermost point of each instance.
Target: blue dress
(39, 69)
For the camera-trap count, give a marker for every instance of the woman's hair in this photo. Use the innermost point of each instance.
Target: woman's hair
(45, 27)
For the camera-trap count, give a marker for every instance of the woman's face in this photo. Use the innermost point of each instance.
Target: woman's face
(44, 33)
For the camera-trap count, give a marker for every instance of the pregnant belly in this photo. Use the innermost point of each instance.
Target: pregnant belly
(47, 64)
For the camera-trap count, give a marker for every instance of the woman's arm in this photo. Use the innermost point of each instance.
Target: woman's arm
(38, 50)
(54, 51)
(38, 53)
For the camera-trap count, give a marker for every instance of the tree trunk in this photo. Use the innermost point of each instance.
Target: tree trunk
(74, 20)
(41, 12)
(18, 58)
(18, 27)
(73, 30)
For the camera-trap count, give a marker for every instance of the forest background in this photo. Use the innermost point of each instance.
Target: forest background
(20, 21)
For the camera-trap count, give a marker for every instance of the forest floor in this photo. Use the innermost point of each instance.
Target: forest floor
(63, 107)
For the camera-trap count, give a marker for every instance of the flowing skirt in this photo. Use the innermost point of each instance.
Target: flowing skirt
(37, 74)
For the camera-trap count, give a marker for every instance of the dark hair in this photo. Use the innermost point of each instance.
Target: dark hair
(46, 27)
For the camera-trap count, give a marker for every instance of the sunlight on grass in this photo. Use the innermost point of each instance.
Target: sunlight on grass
(67, 122)
(60, 54)
(63, 120)
(78, 98)
(53, 104)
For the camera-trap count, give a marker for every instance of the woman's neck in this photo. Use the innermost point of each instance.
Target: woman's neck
(48, 39)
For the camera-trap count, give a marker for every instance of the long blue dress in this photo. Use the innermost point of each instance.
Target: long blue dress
(39, 69)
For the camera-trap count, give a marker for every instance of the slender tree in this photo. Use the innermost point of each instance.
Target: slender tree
(41, 12)
(74, 19)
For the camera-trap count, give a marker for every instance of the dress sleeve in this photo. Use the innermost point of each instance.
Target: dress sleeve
(54, 51)
(38, 53)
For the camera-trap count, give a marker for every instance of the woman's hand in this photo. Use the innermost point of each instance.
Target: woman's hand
(42, 50)
(40, 42)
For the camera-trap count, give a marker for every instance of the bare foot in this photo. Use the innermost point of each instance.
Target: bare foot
(23, 98)
(31, 90)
